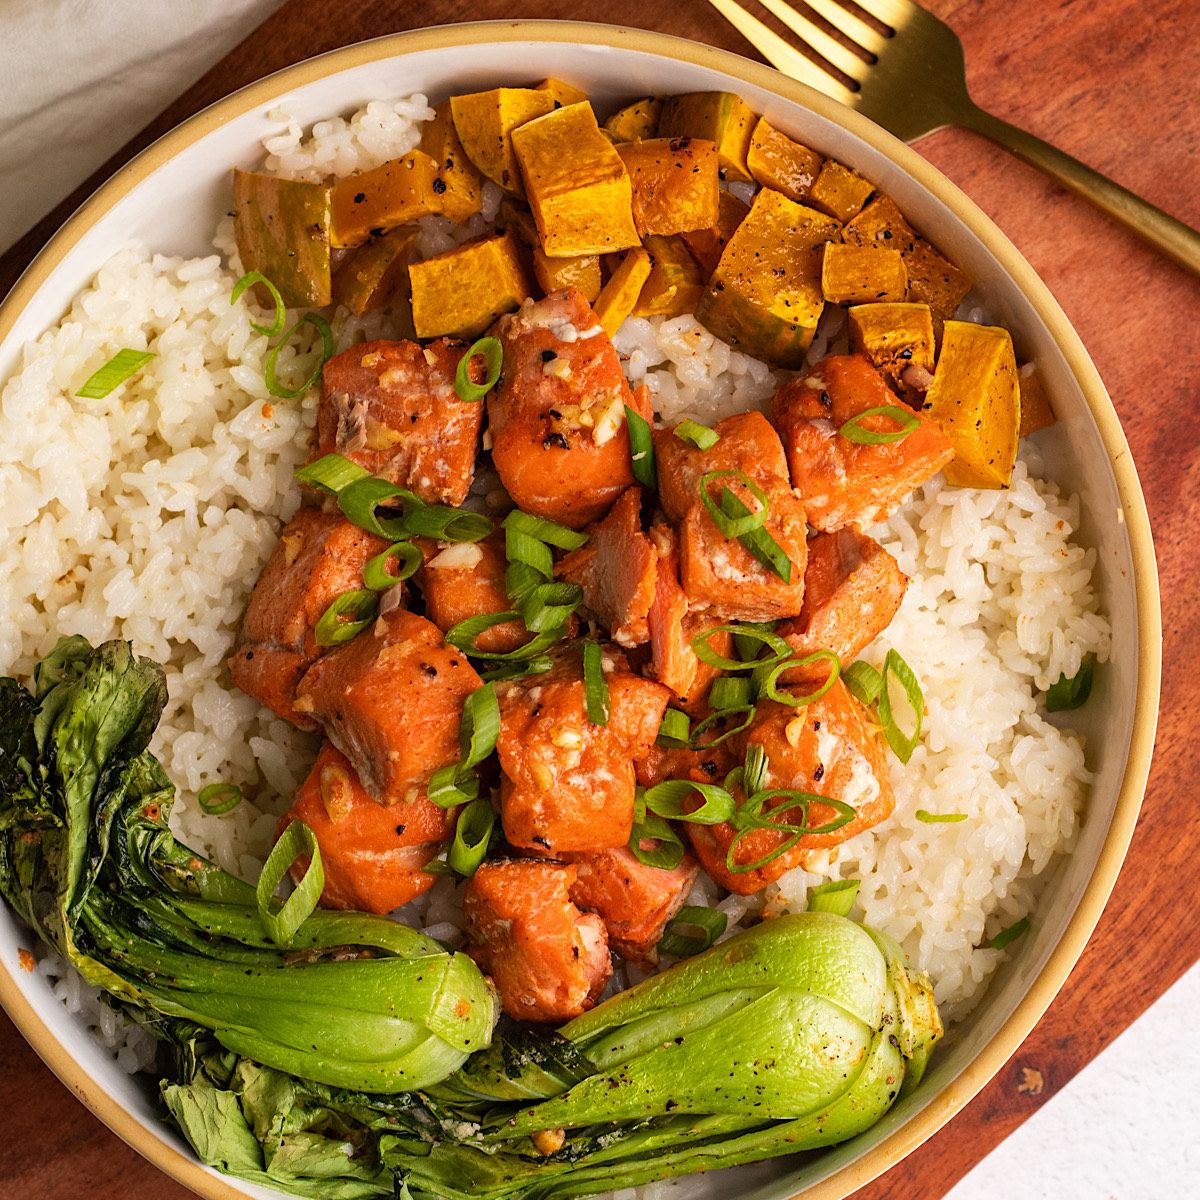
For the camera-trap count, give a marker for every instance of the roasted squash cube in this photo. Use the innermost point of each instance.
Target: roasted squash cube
(707, 245)
(485, 121)
(861, 274)
(282, 231)
(376, 274)
(392, 194)
(461, 292)
(839, 191)
(675, 186)
(620, 294)
(976, 400)
(932, 279)
(777, 161)
(562, 92)
(635, 121)
(765, 298)
(718, 117)
(895, 337)
(461, 193)
(580, 271)
(1036, 413)
(674, 284)
(578, 187)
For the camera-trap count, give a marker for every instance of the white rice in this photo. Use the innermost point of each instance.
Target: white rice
(149, 514)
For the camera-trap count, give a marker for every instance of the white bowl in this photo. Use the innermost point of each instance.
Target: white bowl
(169, 198)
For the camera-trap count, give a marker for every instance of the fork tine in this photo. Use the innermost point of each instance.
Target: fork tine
(776, 51)
(896, 13)
(817, 39)
(842, 19)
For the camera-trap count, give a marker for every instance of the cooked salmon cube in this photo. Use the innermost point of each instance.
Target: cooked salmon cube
(391, 700)
(845, 482)
(548, 960)
(722, 578)
(709, 764)
(748, 443)
(317, 558)
(391, 407)
(373, 854)
(617, 570)
(557, 417)
(633, 900)
(467, 580)
(672, 627)
(829, 748)
(568, 784)
(852, 589)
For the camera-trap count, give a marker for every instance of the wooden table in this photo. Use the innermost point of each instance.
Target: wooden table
(1110, 81)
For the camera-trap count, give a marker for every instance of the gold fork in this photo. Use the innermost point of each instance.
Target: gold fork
(912, 80)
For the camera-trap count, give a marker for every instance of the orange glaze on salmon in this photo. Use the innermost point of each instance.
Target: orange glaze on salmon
(467, 580)
(829, 748)
(721, 577)
(391, 407)
(852, 590)
(748, 444)
(548, 960)
(557, 417)
(568, 784)
(391, 700)
(617, 570)
(372, 854)
(845, 482)
(634, 901)
(317, 558)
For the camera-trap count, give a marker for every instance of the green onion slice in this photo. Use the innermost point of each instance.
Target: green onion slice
(769, 691)
(346, 617)
(545, 531)
(452, 785)
(122, 366)
(667, 853)
(462, 636)
(697, 741)
(864, 682)
(331, 473)
(446, 524)
(471, 837)
(520, 579)
(752, 816)
(377, 573)
(667, 800)
(928, 818)
(1014, 931)
(480, 725)
(548, 606)
(761, 545)
(216, 799)
(675, 729)
(754, 770)
(691, 931)
(281, 924)
(745, 644)
(269, 371)
(520, 547)
(1071, 693)
(595, 686)
(837, 896)
(902, 744)
(853, 430)
(706, 654)
(641, 449)
(734, 526)
(359, 499)
(699, 435)
(492, 352)
(729, 691)
(249, 280)
(518, 670)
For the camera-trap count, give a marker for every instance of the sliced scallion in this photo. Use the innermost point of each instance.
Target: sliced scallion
(269, 366)
(928, 818)
(359, 500)
(282, 922)
(674, 730)
(697, 741)
(346, 617)
(452, 785)
(480, 725)
(1005, 936)
(667, 800)
(746, 646)
(699, 435)
(520, 547)
(595, 686)
(706, 654)
(520, 579)
(864, 682)
(666, 853)
(550, 532)
(446, 524)
(548, 606)
(902, 744)
(770, 691)
(123, 365)
(754, 770)
(734, 526)
(377, 573)
(1067, 694)
(492, 353)
(641, 449)
(754, 815)
(518, 670)
(691, 931)
(216, 799)
(729, 691)
(249, 280)
(853, 430)
(471, 837)
(462, 636)
(837, 897)
(331, 473)
(760, 544)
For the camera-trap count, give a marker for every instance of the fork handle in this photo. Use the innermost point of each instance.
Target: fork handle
(1151, 224)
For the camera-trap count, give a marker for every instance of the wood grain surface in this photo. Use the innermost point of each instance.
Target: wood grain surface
(1110, 81)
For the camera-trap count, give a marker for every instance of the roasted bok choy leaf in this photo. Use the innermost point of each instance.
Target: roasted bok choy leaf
(87, 860)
